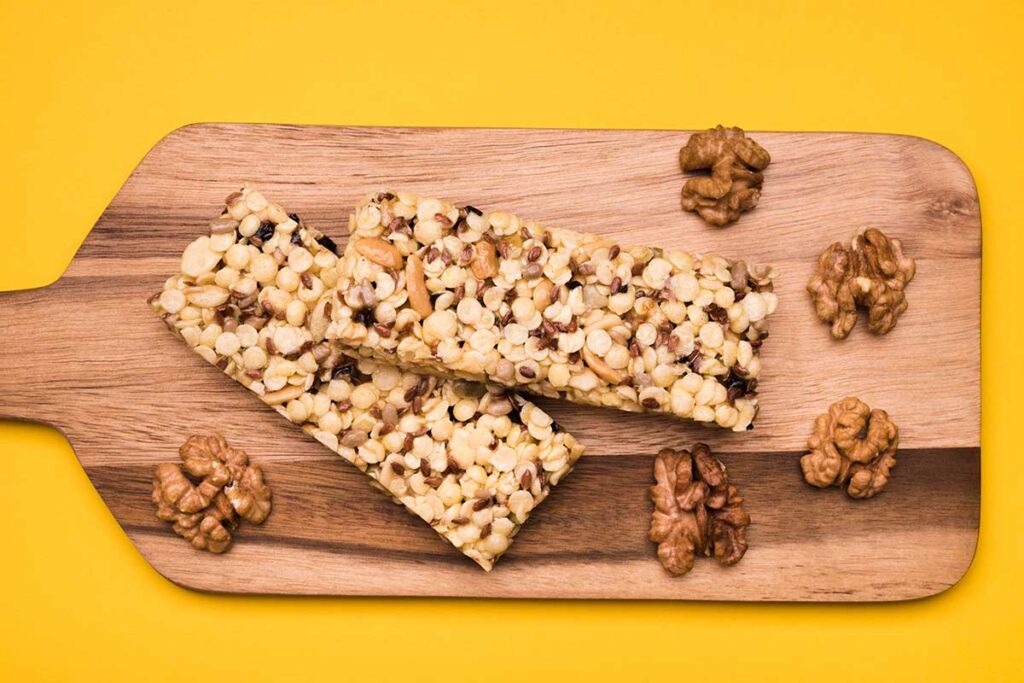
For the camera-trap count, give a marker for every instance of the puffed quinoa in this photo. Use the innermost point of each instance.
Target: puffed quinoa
(552, 312)
(469, 461)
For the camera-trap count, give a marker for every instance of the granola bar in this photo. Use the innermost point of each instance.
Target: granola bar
(254, 298)
(486, 296)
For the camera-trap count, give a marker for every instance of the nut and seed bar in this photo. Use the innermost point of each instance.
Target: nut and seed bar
(486, 296)
(254, 298)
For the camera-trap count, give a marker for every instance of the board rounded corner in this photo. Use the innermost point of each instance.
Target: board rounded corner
(945, 150)
(175, 132)
(943, 591)
(184, 581)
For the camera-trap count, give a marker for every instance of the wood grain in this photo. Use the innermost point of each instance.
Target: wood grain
(87, 356)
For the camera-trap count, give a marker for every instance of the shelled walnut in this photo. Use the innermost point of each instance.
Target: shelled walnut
(734, 186)
(696, 510)
(852, 446)
(872, 273)
(204, 497)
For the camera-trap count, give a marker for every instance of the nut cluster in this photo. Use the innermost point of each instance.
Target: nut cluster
(471, 463)
(852, 446)
(735, 163)
(488, 297)
(696, 510)
(872, 273)
(205, 496)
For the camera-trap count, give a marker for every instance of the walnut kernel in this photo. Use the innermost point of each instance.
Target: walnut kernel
(204, 497)
(852, 446)
(871, 273)
(696, 510)
(734, 186)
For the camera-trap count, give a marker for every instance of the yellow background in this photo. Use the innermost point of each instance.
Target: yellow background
(88, 88)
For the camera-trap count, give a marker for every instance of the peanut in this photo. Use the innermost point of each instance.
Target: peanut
(283, 395)
(542, 294)
(485, 260)
(600, 368)
(419, 299)
(380, 252)
(207, 296)
(199, 258)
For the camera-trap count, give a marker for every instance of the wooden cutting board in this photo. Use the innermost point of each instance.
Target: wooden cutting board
(87, 356)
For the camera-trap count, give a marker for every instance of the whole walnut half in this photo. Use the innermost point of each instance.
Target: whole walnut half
(852, 446)
(734, 185)
(205, 495)
(696, 510)
(870, 273)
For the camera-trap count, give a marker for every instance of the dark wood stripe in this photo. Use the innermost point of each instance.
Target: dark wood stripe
(599, 512)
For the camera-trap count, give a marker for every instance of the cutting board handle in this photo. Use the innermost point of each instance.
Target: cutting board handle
(30, 361)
